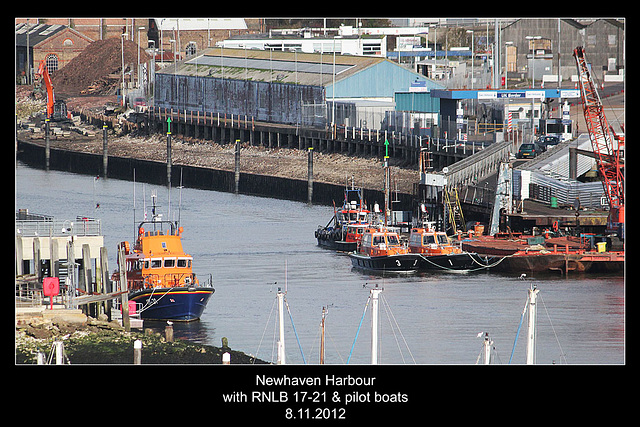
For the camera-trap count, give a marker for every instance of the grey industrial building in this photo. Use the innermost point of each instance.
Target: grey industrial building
(280, 87)
(603, 40)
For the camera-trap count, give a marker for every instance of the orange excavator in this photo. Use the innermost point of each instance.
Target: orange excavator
(56, 110)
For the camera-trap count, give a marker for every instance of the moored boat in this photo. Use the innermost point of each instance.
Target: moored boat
(436, 252)
(381, 250)
(344, 230)
(160, 276)
(539, 254)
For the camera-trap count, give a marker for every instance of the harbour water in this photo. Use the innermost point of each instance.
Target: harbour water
(252, 246)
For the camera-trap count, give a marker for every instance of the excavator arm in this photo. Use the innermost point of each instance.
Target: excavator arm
(43, 73)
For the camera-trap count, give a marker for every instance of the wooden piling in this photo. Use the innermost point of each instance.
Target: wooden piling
(47, 145)
(36, 259)
(86, 268)
(237, 167)
(310, 176)
(105, 155)
(71, 275)
(104, 270)
(124, 297)
(169, 158)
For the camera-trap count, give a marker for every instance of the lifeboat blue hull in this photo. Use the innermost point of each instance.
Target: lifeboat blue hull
(176, 304)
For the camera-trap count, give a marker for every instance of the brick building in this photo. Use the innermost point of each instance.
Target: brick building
(56, 44)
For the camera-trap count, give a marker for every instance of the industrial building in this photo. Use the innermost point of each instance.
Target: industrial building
(56, 44)
(285, 87)
(543, 44)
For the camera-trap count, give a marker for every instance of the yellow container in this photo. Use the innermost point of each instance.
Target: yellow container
(602, 246)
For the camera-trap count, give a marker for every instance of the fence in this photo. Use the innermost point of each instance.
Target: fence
(80, 227)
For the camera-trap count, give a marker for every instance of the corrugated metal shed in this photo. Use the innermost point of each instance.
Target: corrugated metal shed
(272, 102)
(272, 86)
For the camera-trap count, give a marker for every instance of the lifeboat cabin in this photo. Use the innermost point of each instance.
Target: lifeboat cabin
(380, 242)
(429, 242)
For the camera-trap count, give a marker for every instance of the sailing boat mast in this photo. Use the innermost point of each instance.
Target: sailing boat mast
(374, 324)
(324, 314)
(531, 334)
(281, 357)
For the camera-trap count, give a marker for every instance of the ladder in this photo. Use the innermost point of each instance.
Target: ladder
(456, 217)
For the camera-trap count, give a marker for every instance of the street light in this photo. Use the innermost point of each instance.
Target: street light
(122, 39)
(472, 55)
(138, 70)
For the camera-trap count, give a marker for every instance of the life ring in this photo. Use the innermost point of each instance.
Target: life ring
(555, 226)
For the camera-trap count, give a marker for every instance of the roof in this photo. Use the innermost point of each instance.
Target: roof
(37, 33)
(373, 77)
(312, 69)
(187, 24)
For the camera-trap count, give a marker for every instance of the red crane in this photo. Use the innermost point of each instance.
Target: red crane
(606, 144)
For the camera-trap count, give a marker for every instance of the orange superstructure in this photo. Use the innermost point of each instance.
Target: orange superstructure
(157, 258)
(381, 242)
(425, 240)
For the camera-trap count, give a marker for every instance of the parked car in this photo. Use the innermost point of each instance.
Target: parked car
(528, 150)
(547, 141)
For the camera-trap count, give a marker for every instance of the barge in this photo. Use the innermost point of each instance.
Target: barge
(517, 253)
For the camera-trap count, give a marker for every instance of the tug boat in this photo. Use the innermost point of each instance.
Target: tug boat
(159, 274)
(436, 252)
(349, 223)
(381, 250)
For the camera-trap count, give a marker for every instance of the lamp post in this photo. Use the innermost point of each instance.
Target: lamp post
(122, 40)
(138, 71)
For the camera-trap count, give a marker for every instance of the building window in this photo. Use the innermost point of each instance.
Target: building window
(52, 63)
(67, 42)
(191, 49)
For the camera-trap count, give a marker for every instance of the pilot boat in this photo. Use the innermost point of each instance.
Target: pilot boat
(436, 252)
(381, 249)
(159, 273)
(349, 223)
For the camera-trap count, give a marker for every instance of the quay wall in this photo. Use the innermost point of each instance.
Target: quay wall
(155, 172)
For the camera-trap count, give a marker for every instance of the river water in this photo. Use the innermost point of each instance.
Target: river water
(251, 246)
